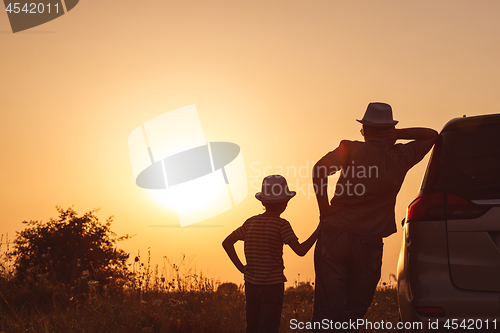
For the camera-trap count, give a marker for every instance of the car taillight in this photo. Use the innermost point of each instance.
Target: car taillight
(430, 312)
(427, 206)
(441, 206)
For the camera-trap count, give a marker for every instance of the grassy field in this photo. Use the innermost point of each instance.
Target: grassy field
(191, 311)
(188, 304)
(171, 299)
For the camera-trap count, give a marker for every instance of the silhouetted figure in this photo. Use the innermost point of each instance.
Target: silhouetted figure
(348, 256)
(264, 236)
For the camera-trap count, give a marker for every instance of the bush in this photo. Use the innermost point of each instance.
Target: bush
(72, 251)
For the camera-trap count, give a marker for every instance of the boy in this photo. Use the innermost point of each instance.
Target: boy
(264, 236)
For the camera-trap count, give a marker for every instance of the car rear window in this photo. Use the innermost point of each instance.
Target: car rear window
(466, 162)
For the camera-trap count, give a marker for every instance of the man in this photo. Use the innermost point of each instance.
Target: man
(348, 255)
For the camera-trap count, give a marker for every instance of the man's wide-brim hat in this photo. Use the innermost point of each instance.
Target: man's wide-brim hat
(274, 189)
(378, 115)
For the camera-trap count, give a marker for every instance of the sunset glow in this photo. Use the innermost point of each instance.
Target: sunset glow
(285, 81)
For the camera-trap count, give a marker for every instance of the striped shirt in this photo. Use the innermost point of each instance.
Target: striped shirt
(264, 237)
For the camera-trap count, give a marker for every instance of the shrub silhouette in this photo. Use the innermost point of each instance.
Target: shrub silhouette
(71, 251)
(228, 289)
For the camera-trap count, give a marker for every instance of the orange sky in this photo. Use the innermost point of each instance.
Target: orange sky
(285, 80)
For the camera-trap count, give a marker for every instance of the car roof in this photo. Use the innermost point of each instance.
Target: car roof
(457, 123)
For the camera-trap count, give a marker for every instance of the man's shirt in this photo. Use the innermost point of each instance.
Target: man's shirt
(371, 177)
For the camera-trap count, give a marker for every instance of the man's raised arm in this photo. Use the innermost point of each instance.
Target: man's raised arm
(418, 133)
(413, 133)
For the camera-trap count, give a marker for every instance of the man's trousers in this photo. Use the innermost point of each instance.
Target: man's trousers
(347, 269)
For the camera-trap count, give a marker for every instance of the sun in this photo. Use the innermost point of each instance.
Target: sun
(196, 200)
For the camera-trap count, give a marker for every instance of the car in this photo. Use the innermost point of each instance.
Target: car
(449, 264)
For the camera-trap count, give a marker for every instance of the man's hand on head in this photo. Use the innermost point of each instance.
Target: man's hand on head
(418, 133)
(388, 134)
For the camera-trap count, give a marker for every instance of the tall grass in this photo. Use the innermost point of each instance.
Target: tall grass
(172, 298)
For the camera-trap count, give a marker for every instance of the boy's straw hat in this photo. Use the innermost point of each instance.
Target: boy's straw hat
(379, 115)
(275, 189)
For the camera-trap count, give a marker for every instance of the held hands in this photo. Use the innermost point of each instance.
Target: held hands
(329, 210)
(320, 224)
